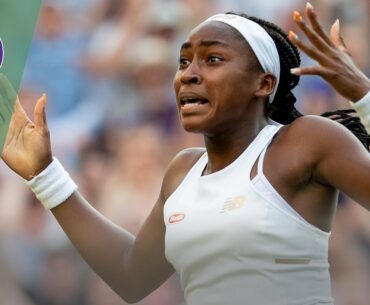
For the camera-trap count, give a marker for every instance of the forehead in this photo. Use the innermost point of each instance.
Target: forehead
(221, 32)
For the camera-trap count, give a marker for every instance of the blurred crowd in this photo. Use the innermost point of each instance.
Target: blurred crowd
(107, 68)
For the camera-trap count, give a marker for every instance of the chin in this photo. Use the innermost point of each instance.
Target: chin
(193, 130)
(192, 127)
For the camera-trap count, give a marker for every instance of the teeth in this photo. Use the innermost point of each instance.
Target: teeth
(189, 100)
(192, 100)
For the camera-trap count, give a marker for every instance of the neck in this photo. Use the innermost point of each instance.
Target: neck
(224, 148)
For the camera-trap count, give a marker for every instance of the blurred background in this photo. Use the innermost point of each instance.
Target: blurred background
(107, 68)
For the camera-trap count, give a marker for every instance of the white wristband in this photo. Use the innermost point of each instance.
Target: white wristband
(53, 185)
(362, 107)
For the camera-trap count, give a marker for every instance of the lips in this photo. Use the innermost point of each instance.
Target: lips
(193, 104)
(192, 99)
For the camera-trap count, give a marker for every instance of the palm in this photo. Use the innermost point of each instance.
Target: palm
(27, 144)
(336, 65)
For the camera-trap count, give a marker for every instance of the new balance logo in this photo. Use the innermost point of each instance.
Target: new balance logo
(1, 52)
(233, 203)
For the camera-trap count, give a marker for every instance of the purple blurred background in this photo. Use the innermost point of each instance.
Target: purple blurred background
(107, 68)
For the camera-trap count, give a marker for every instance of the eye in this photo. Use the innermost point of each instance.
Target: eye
(214, 59)
(183, 62)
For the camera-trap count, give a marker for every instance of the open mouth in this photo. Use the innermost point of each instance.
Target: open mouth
(193, 100)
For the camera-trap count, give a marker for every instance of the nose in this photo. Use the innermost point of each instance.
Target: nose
(191, 75)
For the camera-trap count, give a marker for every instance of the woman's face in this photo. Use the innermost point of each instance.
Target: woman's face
(217, 78)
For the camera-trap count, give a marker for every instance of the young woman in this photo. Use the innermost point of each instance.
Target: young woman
(247, 219)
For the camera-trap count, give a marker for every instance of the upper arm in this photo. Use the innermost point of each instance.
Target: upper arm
(342, 161)
(146, 263)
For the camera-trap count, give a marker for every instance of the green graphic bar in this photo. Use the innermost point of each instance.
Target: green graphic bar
(17, 23)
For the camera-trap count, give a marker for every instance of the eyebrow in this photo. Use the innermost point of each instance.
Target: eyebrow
(205, 43)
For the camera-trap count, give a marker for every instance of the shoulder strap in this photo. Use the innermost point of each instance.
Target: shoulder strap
(262, 142)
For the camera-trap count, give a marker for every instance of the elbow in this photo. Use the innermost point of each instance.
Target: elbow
(131, 295)
(133, 288)
(132, 298)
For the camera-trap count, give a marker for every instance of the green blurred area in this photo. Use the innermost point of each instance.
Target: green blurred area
(17, 23)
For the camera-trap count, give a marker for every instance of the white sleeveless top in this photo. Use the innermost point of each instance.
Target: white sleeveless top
(233, 245)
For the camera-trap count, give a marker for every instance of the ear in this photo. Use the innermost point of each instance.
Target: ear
(267, 83)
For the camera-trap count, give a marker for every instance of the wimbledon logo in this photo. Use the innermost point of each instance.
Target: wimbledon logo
(1, 52)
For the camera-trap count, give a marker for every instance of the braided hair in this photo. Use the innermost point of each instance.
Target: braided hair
(282, 109)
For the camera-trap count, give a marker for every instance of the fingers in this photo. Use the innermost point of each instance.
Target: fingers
(334, 33)
(315, 35)
(318, 70)
(323, 48)
(40, 113)
(7, 90)
(7, 98)
(4, 112)
(316, 26)
(336, 38)
(12, 122)
(9, 102)
(19, 115)
(310, 51)
(8, 94)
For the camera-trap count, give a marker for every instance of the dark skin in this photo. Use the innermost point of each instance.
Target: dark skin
(211, 68)
(306, 162)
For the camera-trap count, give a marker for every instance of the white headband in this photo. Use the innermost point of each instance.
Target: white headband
(259, 40)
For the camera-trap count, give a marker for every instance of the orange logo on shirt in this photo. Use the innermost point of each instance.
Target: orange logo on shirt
(176, 217)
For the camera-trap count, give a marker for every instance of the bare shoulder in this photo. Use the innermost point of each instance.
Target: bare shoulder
(179, 167)
(312, 144)
(318, 133)
(312, 124)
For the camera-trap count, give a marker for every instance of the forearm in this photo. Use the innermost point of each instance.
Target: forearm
(133, 267)
(102, 244)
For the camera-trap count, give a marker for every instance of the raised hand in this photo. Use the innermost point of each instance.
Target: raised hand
(27, 149)
(336, 64)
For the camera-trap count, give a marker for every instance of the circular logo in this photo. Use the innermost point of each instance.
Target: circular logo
(1, 52)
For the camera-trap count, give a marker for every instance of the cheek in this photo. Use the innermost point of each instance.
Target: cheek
(176, 82)
(229, 87)
(234, 93)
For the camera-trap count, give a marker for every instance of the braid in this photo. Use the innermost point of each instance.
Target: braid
(351, 122)
(282, 109)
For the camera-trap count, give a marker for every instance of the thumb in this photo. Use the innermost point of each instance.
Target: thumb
(40, 113)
